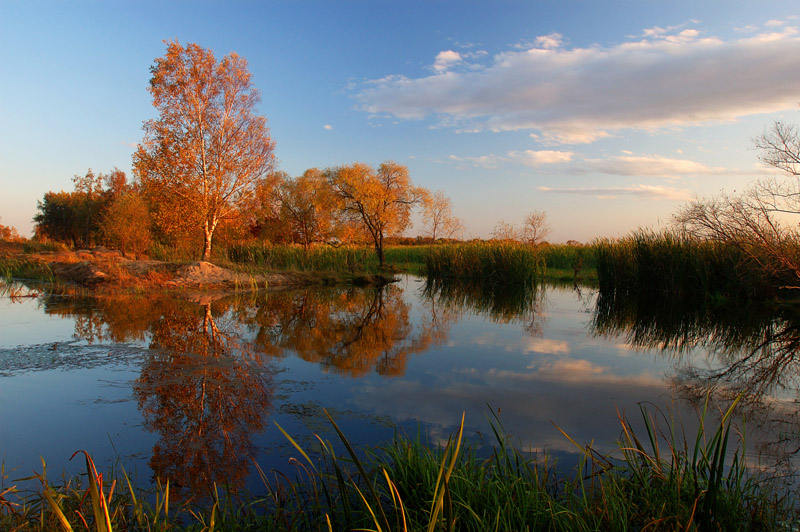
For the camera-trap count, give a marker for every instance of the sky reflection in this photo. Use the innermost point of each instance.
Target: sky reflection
(175, 388)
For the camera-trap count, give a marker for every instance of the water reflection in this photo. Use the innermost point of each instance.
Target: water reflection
(203, 387)
(350, 332)
(501, 303)
(206, 382)
(750, 350)
(205, 390)
(207, 385)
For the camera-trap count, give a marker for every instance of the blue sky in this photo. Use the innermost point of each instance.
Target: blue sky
(606, 115)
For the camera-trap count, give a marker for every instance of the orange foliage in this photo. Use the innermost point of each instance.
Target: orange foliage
(381, 200)
(207, 152)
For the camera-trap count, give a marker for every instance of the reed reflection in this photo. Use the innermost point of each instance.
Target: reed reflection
(751, 350)
(500, 302)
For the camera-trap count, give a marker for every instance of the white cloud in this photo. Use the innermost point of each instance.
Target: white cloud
(328, 127)
(641, 191)
(647, 166)
(547, 346)
(548, 42)
(669, 77)
(446, 59)
(541, 157)
(527, 157)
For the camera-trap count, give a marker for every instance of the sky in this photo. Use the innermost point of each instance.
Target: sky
(608, 116)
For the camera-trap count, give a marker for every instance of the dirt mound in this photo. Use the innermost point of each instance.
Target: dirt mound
(83, 273)
(205, 273)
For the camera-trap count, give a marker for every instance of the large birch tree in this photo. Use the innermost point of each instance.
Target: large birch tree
(208, 149)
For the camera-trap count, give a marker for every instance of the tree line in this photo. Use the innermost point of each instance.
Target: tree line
(205, 171)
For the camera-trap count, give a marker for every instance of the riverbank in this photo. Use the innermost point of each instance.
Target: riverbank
(247, 268)
(105, 270)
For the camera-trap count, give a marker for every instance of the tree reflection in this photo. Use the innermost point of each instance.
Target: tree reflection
(205, 391)
(347, 331)
(203, 387)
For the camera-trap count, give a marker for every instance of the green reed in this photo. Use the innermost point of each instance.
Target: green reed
(24, 268)
(672, 264)
(318, 258)
(491, 262)
(658, 479)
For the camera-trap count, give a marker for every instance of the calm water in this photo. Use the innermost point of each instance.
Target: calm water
(192, 388)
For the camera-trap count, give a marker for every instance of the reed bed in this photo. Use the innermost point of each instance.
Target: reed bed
(487, 262)
(24, 269)
(568, 257)
(672, 264)
(495, 263)
(660, 479)
(318, 258)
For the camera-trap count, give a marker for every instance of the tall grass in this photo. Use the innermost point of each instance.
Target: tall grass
(499, 263)
(344, 259)
(23, 268)
(660, 479)
(489, 262)
(671, 264)
(568, 257)
(318, 258)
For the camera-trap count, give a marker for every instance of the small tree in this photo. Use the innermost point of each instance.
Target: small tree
(535, 228)
(381, 200)
(309, 206)
(208, 148)
(126, 224)
(438, 216)
(9, 233)
(505, 231)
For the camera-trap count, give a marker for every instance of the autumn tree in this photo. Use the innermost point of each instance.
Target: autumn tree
(115, 182)
(505, 231)
(381, 200)
(437, 214)
(309, 207)
(9, 233)
(126, 223)
(208, 148)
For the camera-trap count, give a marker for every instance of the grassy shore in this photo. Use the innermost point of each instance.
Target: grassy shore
(485, 262)
(658, 480)
(674, 265)
(489, 262)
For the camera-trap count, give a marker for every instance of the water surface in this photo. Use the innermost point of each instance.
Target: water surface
(191, 387)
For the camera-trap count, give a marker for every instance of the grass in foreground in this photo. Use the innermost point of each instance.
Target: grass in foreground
(655, 481)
